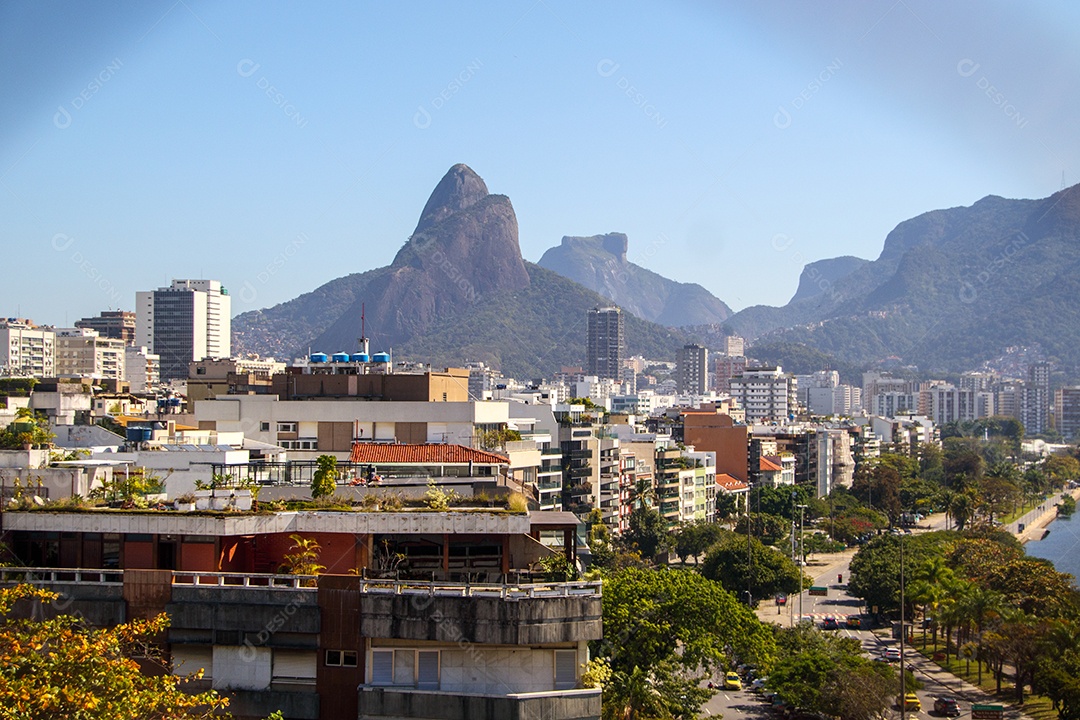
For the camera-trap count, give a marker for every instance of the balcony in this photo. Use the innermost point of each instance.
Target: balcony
(381, 702)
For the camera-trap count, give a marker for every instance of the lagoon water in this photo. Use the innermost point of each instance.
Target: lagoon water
(1061, 546)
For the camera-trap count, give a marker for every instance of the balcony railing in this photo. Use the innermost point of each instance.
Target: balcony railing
(378, 586)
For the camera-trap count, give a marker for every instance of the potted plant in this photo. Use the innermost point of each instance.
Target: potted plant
(185, 502)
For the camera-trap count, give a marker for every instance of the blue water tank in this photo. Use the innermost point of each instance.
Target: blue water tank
(360, 357)
(317, 357)
(138, 434)
(340, 357)
(380, 357)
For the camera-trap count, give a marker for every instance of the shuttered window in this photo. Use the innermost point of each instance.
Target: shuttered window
(565, 669)
(382, 667)
(295, 664)
(188, 659)
(427, 670)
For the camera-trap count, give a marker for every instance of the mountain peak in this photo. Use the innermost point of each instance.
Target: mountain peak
(459, 189)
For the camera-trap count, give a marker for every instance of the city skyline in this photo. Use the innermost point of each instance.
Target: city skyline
(278, 149)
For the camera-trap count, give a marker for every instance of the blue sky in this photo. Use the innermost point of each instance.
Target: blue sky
(276, 146)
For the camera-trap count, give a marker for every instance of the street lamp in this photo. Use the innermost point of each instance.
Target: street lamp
(903, 633)
(802, 557)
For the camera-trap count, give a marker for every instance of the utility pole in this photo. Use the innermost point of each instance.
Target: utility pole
(903, 634)
(802, 556)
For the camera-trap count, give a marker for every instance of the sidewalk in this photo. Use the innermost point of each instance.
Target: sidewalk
(1036, 520)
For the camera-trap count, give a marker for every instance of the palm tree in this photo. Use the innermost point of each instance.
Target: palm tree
(939, 576)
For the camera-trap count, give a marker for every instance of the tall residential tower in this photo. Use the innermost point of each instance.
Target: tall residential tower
(606, 343)
(189, 320)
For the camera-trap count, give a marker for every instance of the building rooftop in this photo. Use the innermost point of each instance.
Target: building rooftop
(427, 453)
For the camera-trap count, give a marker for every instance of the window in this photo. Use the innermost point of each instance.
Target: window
(341, 658)
(264, 427)
(565, 669)
(407, 667)
(287, 427)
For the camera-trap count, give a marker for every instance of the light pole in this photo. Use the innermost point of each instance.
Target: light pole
(802, 556)
(903, 633)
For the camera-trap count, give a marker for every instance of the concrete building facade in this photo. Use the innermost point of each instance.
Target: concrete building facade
(606, 343)
(189, 320)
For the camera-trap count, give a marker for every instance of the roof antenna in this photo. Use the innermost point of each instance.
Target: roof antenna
(363, 331)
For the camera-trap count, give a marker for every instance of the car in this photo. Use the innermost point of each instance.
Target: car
(829, 623)
(891, 654)
(758, 685)
(853, 621)
(911, 702)
(732, 681)
(946, 706)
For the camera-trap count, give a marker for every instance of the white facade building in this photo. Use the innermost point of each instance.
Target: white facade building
(189, 320)
(142, 368)
(765, 394)
(26, 349)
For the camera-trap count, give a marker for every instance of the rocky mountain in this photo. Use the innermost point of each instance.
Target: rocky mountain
(599, 263)
(457, 290)
(950, 289)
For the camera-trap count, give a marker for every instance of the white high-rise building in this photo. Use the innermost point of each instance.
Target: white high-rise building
(27, 350)
(189, 320)
(766, 394)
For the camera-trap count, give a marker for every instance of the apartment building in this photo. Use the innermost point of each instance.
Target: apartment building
(765, 394)
(82, 352)
(27, 350)
(189, 320)
(417, 615)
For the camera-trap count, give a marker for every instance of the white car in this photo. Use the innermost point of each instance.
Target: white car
(891, 654)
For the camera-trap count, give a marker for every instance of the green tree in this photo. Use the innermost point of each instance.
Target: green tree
(646, 531)
(60, 668)
(663, 631)
(694, 538)
(826, 673)
(739, 567)
(324, 479)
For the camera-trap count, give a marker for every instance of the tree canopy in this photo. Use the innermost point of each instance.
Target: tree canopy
(663, 629)
(60, 668)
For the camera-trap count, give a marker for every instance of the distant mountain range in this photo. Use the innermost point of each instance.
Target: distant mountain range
(457, 290)
(599, 263)
(950, 290)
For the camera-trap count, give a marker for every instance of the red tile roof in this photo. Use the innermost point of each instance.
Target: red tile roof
(729, 483)
(769, 466)
(421, 454)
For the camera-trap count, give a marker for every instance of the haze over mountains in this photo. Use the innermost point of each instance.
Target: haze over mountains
(599, 263)
(950, 289)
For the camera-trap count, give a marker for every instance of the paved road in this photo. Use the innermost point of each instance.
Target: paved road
(825, 570)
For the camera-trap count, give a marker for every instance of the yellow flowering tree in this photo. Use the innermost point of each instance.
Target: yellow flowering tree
(60, 668)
